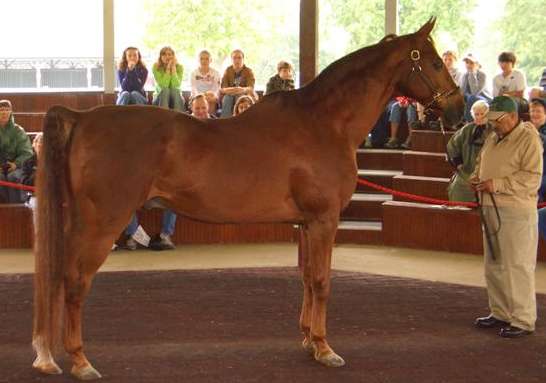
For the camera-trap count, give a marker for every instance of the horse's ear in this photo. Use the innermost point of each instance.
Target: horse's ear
(427, 27)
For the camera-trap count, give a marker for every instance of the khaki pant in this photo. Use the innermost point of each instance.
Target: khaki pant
(511, 277)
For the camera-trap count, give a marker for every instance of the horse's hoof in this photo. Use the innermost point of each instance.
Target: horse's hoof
(331, 359)
(86, 373)
(49, 368)
(308, 346)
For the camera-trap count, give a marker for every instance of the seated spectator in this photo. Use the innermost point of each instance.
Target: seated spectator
(200, 107)
(238, 80)
(283, 80)
(402, 104)
(168, 77)
(540, 91)
(379, 134)
(15, 149)
(132, 75)
(450, 60)
(161, 241)
(205, 79)
(537, 114)
(463, 149)
(473, 84)
(510, 82)
(30, 165)
(214, 110)
(242, 104)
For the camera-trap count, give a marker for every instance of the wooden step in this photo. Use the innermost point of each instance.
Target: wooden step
(382, 159)
(434, 187)
(16, 226)
(365, 207)
(430, 140)
(380, 177)
(40, 102)
(431, 227)
(426, 164)
(363, 232)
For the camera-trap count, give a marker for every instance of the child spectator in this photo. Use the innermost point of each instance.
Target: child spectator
(168, 77)
(450, 58)
(204, 78)
(132, 75)
(200, 107)
(238, 80)
(510, 82)
(283, 80)
(242, 104)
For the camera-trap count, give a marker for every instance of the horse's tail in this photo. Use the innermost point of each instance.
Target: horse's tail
(51, 197)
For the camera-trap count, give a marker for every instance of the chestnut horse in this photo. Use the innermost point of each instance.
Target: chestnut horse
(290, 158)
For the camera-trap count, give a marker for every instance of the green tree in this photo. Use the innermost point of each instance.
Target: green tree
(364, 22)
(263, 29)
(523, 33)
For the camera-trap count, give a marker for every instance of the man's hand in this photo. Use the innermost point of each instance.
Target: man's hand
(12, 166)
(486, 186)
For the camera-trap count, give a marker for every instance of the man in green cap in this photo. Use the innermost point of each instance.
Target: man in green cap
(15, 149)
(507, 176)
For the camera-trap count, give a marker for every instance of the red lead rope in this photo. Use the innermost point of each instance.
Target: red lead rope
(415, 197)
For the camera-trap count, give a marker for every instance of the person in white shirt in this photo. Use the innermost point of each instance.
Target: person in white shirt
(204, 78)
(510, 82)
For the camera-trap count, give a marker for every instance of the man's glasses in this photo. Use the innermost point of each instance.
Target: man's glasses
(498, 119)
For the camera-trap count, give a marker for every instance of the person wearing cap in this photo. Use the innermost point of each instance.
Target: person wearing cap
(507, 177)
(15, 149)
(473, 84)
(510, 82)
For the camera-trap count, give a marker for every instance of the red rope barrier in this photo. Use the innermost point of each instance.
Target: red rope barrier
(423, 199)
(17, 186)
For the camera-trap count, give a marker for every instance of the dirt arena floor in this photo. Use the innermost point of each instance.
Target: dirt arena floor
(241, 326)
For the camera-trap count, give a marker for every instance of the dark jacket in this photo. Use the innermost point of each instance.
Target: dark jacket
(133, 80)
(277, 84)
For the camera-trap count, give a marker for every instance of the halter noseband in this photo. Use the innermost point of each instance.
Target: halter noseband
(415, 56)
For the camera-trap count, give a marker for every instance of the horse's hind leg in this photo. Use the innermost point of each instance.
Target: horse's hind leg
(321, 233)
(87, 251)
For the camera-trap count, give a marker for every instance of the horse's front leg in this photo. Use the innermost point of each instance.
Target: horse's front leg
(321, 234)
(307, 304)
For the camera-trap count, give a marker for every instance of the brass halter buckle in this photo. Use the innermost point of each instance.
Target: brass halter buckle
(415, 55)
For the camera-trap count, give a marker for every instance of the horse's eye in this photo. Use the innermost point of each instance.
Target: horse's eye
(437, 64)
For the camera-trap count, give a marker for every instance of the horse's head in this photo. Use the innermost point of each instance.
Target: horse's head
(426, 79)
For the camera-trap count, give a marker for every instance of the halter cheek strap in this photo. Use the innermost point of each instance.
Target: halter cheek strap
(437, 97)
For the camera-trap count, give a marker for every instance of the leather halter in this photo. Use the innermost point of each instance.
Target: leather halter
(415, 56)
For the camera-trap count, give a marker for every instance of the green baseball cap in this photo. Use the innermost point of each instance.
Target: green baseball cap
(501, 105)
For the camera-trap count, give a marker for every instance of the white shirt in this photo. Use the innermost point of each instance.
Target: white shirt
(515, 81)
(201, 83)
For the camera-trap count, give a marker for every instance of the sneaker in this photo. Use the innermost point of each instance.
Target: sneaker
(114, 247)
(131, 244)
(161, 242)
(368, 144)
(406, 144)
(393, 143)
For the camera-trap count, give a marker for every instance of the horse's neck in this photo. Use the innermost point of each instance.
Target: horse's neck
(351, 99)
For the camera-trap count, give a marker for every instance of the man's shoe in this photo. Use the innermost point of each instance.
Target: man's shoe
(490, 322)
(513, 332)
(131, 244)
